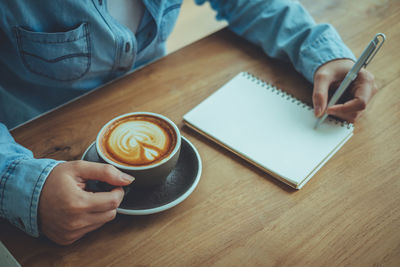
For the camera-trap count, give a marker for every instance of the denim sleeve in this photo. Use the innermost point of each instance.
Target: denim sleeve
(21, 180)
(284, 30)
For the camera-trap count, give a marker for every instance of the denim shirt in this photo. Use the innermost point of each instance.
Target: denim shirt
(52, 53)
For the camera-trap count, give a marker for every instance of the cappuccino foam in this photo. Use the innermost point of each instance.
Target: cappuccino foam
(138, 140)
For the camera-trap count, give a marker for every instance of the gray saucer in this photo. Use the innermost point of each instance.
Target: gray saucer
(179, 184)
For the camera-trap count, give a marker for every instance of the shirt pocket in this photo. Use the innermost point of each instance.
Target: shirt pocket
(61, 56)
(168, 20)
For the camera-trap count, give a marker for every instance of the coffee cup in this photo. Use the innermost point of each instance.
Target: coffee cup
(143, 144)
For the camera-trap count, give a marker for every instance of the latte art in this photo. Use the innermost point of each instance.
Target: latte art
(138, 141)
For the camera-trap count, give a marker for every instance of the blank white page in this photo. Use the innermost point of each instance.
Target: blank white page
(269, 128)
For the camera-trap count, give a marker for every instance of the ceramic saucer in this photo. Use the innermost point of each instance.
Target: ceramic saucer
(179, 184)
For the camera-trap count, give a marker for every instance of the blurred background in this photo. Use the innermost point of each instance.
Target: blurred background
(194, 22)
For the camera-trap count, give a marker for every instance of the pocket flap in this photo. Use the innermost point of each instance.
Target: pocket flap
(55, 55)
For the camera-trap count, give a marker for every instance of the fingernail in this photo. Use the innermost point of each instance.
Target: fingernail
(127, 177)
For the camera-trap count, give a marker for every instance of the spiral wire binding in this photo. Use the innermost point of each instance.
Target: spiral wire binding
(291, 98)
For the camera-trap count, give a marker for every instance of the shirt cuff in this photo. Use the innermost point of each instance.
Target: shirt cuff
(22, 183)
(327, 47)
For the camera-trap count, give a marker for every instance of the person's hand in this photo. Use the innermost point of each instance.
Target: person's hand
(66, 211)
(329, 76)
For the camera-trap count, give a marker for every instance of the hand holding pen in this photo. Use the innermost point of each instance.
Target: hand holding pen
(346, 73)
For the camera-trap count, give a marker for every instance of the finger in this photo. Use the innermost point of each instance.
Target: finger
(86, 223)
(348, 111)
(69, 238)
(105, 201)
(354, 105)
(94, 218)
(349, 117)
(102, 217)
(95, 221)
(102, 172)
(364, 88)
(320, 93)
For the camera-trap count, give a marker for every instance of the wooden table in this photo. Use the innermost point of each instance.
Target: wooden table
(348, 214)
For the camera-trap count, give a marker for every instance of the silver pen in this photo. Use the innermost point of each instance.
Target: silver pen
(365, 58)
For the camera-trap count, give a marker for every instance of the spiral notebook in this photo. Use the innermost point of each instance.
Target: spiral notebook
(269, 128)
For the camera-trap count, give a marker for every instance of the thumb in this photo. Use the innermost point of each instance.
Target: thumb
(320, 93)
(102, 172)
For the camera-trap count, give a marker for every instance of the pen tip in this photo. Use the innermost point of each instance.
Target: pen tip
(316, 125)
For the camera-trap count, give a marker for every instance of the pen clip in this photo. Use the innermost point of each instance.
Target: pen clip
(378, 42)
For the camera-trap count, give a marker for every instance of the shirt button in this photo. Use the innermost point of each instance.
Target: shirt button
(127, 47)
(100, 2)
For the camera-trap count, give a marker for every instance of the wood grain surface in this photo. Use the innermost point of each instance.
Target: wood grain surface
(348, 214)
